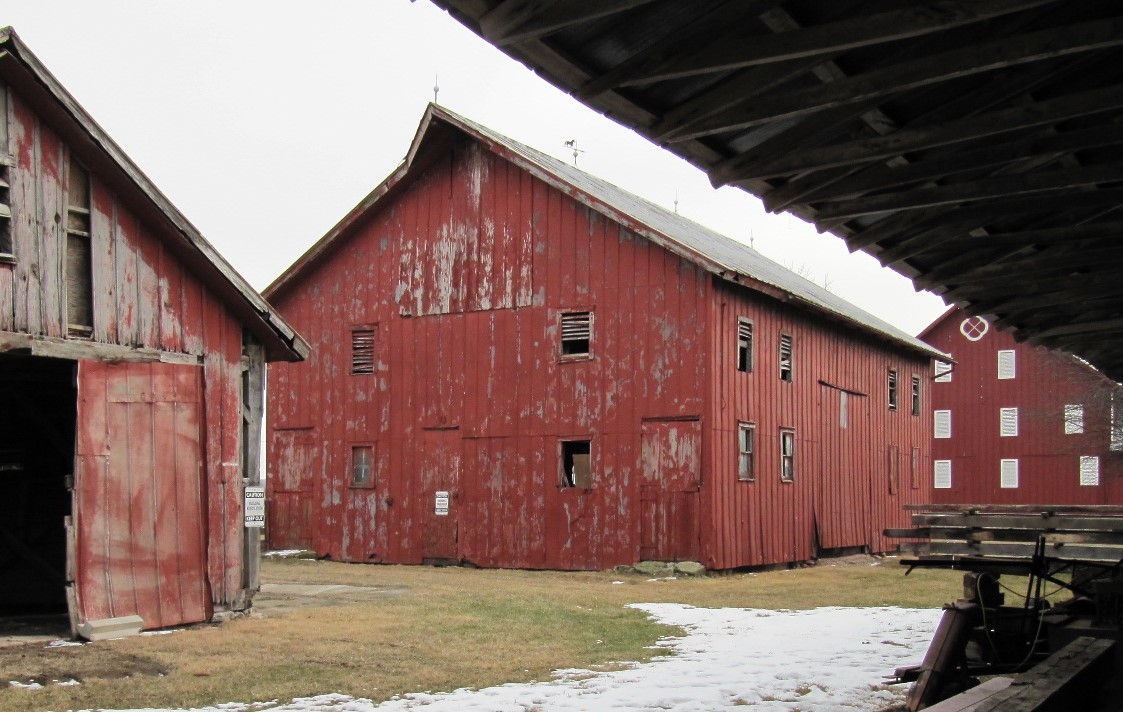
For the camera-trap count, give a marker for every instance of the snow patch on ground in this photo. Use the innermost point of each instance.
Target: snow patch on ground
(822, 660)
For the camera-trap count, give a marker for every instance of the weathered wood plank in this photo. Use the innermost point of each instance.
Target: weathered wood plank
(91, 350)
(968, 701)
(1069, 677)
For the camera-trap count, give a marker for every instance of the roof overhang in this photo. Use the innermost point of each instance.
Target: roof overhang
(22, 70)
(973, 146)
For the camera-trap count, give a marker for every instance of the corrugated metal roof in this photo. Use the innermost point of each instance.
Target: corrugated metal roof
(720, 254)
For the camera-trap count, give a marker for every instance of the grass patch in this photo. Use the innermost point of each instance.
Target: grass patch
(443, 629)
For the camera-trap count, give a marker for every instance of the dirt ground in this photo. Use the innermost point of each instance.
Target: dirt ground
(37, 649)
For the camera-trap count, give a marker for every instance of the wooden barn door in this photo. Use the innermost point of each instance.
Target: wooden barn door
(440, 484)
(671, 463)
(139, 515)
(289, 514)
(841, 489)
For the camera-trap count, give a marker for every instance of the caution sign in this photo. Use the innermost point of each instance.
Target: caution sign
(255, 507)
(440, 504)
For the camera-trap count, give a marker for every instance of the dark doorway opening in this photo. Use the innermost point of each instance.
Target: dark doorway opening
(37, 431)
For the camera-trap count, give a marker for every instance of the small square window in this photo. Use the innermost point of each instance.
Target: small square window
(785, 358)
(916, 395)
(787, 455)
(746, 436)
(744, 345)
(576, 464)
(576, 333)
(362, 351)
(362, 465)
(892, 384)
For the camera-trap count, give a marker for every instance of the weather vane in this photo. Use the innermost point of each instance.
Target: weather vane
(436, 87)
(572, 143)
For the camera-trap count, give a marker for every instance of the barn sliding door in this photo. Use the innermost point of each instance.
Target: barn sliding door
(671, 463)
(138, 517)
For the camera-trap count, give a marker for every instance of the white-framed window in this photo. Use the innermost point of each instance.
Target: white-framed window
(941, 471)
(891, 384)
(787, 455)
(1089, 470)
(941, 424)
(362, 465)
(746, 444)
(744, 345)
(1008, 473)
(916, 395)
(1074, 419)
(1008, 422)
(1007, 366)
(942, 372)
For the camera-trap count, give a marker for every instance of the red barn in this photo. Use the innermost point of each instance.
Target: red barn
(517, 364)
(1019, 424)
(131, 361)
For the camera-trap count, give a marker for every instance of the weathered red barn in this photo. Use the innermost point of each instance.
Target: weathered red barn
(132, 362)
(517, 364)
(1016, 423)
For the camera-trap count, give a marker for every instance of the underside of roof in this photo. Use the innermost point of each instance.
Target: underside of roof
(974, 146)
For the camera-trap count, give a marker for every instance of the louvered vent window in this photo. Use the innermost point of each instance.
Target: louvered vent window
(744, 345)
(892, 389)
(1074, 419)
(1089, 470)
(916, 395)
(785, 358)
(79, 264)
(943, 372)
(1008, 422)
(7, 248)
(362, 351)
(576, 333)
(941, 421)
(1006, 365)
(1008, 474)
(942, 474)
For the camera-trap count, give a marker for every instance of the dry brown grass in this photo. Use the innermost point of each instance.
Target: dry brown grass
(442, 629)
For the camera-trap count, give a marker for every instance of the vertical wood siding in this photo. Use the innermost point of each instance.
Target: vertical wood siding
(142, 297)
(1048, 459)
(465, 272)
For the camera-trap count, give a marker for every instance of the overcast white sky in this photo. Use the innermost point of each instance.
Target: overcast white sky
(265, 122)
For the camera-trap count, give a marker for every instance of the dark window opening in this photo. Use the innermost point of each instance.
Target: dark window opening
(576, 464)
(892, 389)
(7, 248)
(576, 333)
(362, 351)
(785, 358)
(79, 263)
(745, 467)
(744, 345)
(362, 465)
(916, 395)
(787, 455)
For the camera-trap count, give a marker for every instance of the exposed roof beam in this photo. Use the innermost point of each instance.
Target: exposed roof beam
(880, 177)
(1053, 182)
(981, 215)
(993, 123)
(933, 69)
(520, 20)
(1071, 285)
(826, 39)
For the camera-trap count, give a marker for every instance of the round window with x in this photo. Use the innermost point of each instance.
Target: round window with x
(974, 328)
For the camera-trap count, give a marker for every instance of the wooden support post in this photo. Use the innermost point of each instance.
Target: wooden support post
(944, 654)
